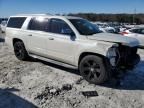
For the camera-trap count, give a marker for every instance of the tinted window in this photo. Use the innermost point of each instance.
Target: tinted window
(39, 23)
(59, 26)
(135, 30)
(142, 31)
(16, 22)
(84, 27)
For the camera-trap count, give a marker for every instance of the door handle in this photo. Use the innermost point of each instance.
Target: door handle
(51, 38)
(30, 35)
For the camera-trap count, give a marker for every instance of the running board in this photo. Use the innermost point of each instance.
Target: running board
(53, 61)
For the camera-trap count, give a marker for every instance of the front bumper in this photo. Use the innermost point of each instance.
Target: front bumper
(132, 61)
(124, 57)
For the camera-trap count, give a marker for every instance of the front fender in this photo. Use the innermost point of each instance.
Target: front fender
(98, 48)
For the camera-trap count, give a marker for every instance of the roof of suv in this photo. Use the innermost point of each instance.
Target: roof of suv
(45, 15)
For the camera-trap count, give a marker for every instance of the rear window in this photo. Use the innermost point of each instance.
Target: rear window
(16, 22)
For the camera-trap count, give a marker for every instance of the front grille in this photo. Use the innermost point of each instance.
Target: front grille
(127, 55)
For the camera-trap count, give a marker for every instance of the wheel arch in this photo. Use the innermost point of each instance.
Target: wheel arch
(25, 52)
(16, 40)
(82, 55)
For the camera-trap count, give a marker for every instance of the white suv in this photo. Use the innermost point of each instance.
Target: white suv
(73, 41)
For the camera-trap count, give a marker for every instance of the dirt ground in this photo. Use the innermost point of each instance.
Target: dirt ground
(39, 84)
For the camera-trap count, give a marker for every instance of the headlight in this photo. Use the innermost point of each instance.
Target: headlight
(113, 56)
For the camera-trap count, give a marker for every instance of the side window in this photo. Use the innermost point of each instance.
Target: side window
(16, 22)
(60, 27)
(142, 31)
(40, 24)
(135, 31)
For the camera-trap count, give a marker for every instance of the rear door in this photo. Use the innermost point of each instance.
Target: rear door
(36, 35)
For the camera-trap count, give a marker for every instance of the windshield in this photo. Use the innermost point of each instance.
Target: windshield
(85, 27)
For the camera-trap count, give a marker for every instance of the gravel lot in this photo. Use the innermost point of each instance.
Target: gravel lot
(35, 83)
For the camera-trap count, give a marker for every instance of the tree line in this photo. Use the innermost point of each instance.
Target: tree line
(121, 18)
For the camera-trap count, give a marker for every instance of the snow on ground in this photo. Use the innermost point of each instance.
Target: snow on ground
(35, 83)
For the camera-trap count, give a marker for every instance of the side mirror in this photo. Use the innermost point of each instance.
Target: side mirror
(69, 32)
(72, 34)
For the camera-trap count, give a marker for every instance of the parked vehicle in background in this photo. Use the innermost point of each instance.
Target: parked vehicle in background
(2, 19)
(3, 26)
(122, 28)
(106, 27)
(71, 41)
(137, 33)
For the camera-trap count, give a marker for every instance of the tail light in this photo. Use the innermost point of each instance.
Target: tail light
(124, 33)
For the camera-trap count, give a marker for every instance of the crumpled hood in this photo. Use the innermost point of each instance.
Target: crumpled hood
(109, 37)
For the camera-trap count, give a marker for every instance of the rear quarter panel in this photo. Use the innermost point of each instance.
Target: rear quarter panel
(12, 33)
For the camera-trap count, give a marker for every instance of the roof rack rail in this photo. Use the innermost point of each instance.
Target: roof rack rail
(48, 14)
(33, 14)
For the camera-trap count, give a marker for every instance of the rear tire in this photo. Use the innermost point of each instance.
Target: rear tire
(93, 69)
(20, 51)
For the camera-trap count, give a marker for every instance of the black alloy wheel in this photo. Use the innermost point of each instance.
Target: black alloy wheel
(93, 69)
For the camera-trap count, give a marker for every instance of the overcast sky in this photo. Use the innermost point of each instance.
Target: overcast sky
(12, 7)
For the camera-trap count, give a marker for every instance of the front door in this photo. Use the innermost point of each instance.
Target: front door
(60, 45)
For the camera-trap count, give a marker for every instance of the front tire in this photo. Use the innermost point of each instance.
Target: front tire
(93, 69)
(20, 51)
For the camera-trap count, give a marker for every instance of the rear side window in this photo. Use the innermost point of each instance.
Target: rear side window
(16, 22)
(40, 24)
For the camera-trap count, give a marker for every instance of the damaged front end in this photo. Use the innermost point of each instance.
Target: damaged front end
(123, 57)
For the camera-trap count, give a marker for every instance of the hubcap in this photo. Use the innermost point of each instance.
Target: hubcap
(91, 70)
